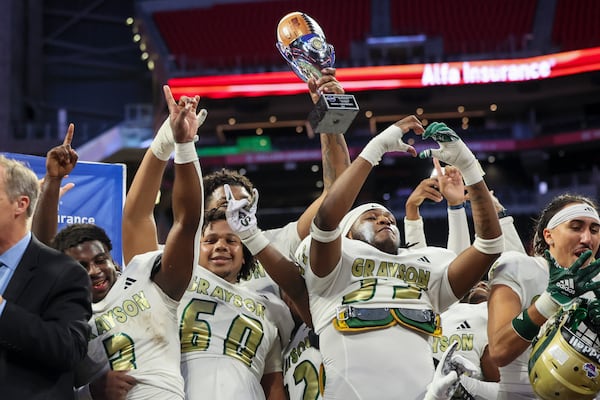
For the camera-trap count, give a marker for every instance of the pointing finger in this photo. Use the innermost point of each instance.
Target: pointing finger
(171, 103)
(69, 135)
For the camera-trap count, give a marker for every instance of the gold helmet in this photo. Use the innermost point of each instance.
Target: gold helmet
(565, 360)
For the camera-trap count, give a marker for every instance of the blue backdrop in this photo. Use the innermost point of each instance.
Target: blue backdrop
(98, 196)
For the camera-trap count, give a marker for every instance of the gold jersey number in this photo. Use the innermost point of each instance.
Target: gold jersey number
(243, 337)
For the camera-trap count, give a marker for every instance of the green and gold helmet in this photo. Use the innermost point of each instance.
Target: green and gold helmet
(565, 359)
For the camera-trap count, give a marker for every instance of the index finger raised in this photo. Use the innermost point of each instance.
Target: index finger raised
(171, 103)
(69, 135)
(438, 167)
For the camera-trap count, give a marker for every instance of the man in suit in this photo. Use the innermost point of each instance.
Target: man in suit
(45, 299)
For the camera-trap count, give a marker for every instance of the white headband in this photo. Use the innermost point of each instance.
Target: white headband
(573, 212)
(350, 218)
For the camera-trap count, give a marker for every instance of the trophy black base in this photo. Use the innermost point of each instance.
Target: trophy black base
(333, 113)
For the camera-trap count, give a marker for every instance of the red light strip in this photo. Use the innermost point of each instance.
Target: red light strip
(395, 76)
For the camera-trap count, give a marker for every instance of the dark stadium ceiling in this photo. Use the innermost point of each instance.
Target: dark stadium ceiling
(89, 40)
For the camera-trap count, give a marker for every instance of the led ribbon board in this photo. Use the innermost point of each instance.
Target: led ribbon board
(396, 76)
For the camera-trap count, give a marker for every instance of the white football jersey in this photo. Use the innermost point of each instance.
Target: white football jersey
(230, 337)
(466, 324)
(136, 324)
(302, 364)
(362, 364)
(528, 278)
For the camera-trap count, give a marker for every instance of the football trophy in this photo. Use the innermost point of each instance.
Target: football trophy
(302, 43)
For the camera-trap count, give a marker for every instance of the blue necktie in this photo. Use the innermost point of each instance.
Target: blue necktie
(4, 270)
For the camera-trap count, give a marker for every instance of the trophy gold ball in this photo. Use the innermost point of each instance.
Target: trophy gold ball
(294, 25)
(302, 43)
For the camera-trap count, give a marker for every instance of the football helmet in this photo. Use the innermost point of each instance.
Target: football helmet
(565, 359)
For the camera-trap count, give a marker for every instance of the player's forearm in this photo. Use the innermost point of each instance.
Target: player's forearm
(138, 225)
(458, 230)
(485, 218)
(342, 194)
(505, 345)
(335, 157)
(45, 218)
(144, 188)
(187, 196)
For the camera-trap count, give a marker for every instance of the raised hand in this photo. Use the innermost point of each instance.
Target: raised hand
(452, 151)
(61, 160)
(450, 182)
(565, 284)
(447, 374)
(325, 84)
(426, 189)
(391, 140)
(182, 116)
(241, 214)
(241, 217)
(163, 143)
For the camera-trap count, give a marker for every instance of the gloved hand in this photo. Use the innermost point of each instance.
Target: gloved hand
(163, 143)
(452, 151)
(593, 310)
(391, 140)
(565, 284)
(241, 214)
(241, 217)
(447, 374)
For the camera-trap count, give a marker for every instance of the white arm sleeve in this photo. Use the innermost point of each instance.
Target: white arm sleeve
(414, 234)
(512, 241)
(481, 390)
(458, 230)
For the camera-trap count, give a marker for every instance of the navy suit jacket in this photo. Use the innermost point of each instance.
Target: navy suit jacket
(44, 327)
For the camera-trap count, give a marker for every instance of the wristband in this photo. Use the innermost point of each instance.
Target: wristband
(473, 173)
(185, 153)
(374, 150)
(546, 306)
(161, 146)
(324, 236)
(256, 242)
(489, 246)
(457, 207)
(524, 326)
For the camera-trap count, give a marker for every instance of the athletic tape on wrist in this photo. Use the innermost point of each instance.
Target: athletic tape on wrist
(524, 326)
(489, 246)
(373, 151)
(185, 153)
(546, 305)
(160, 146)
(472, 174)
(256, 242)
(324, 236)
